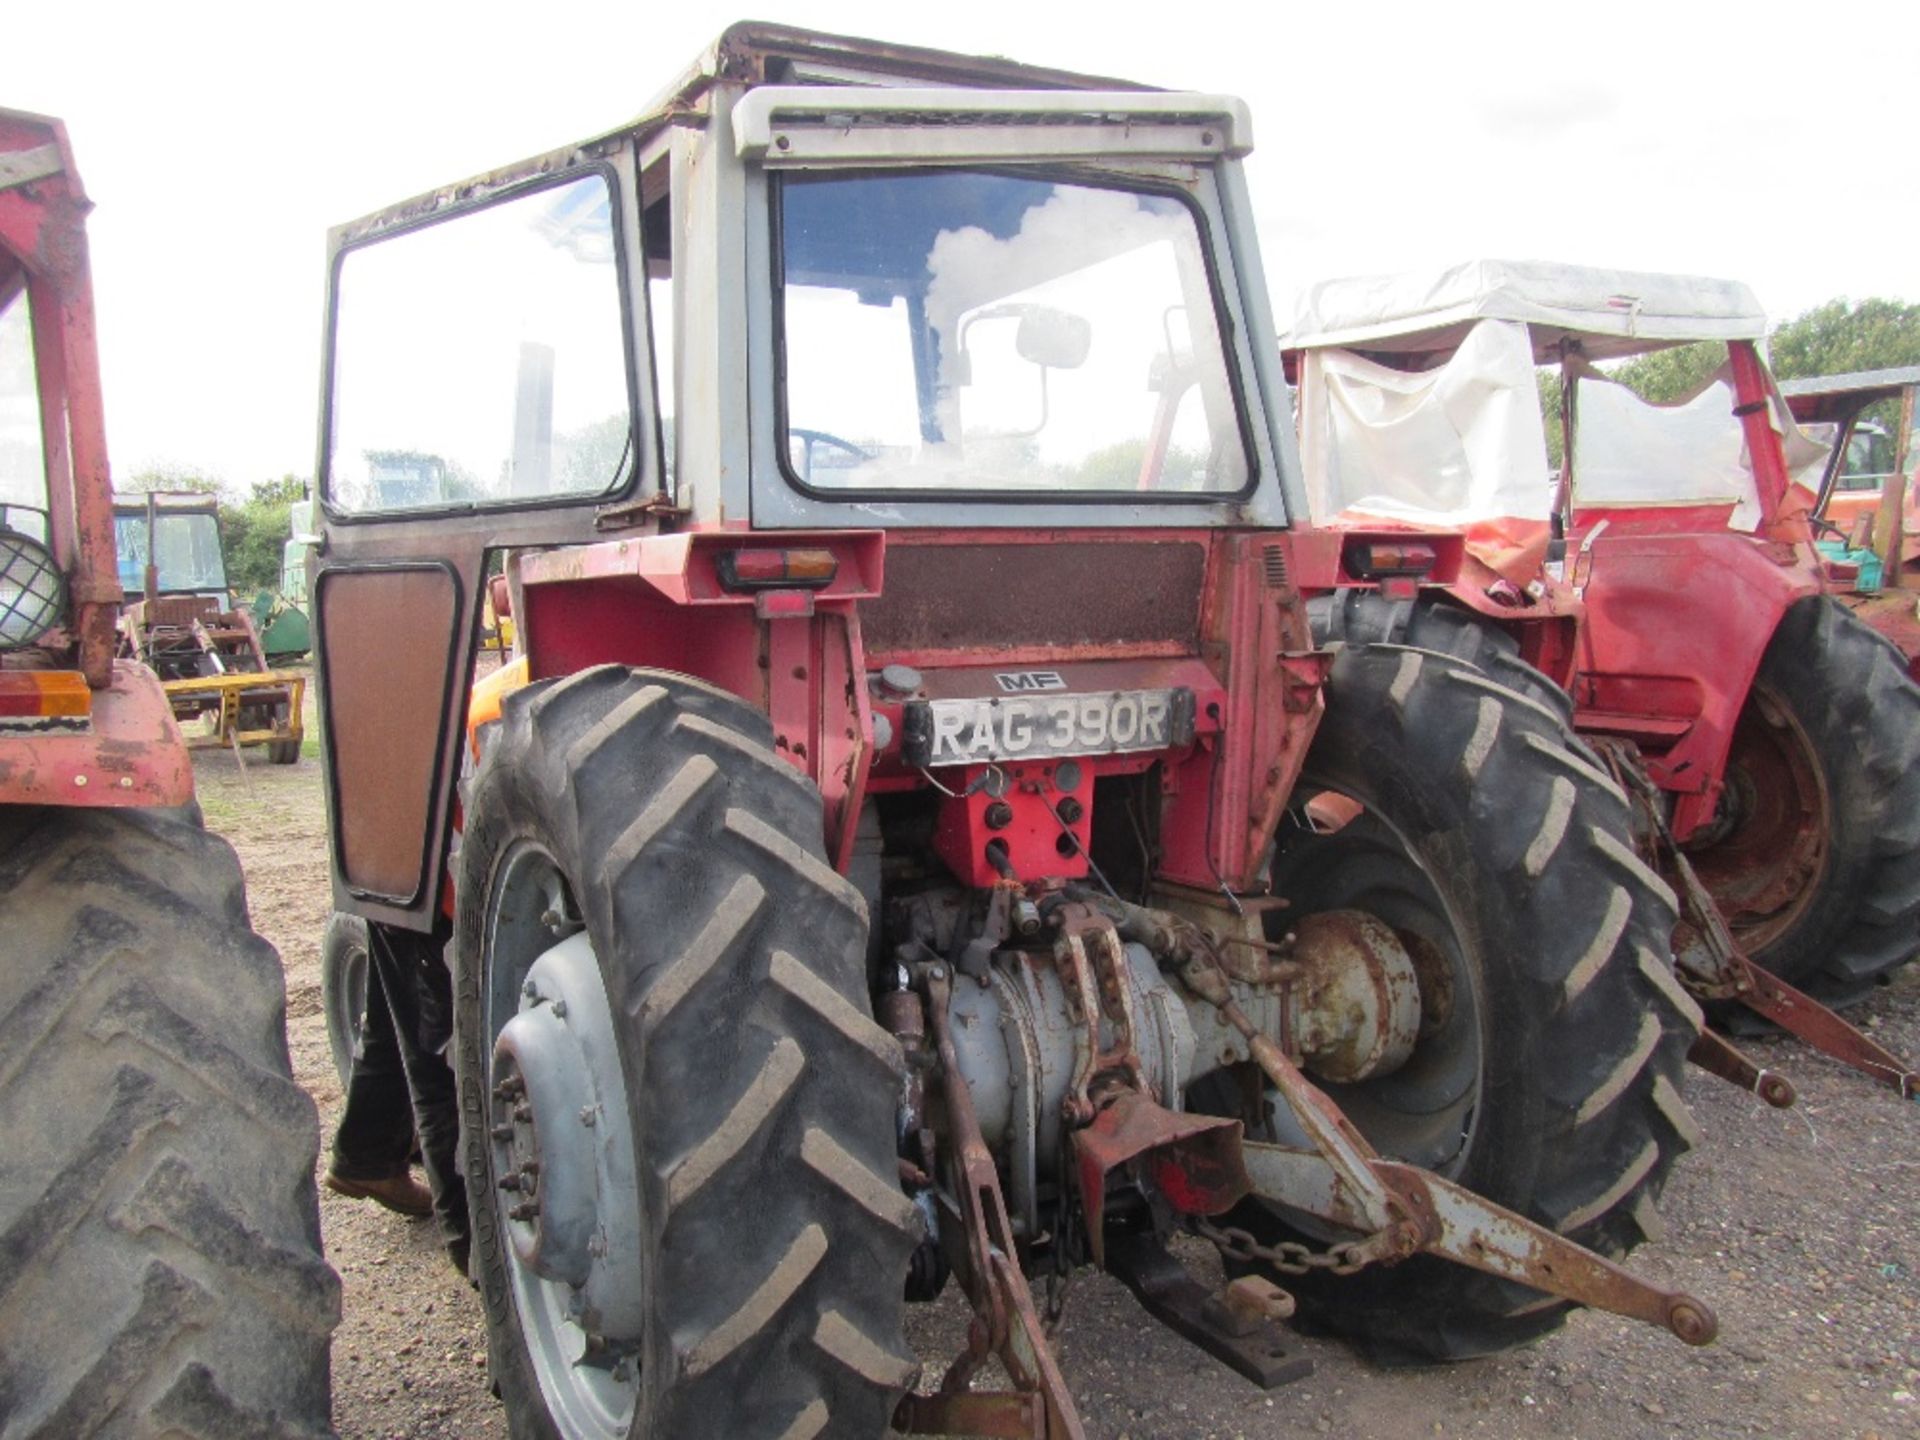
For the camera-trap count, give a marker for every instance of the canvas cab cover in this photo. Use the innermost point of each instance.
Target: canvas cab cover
(1420, 400)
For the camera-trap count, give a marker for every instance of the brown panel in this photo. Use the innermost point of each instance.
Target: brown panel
(387, 639)
(941, 597)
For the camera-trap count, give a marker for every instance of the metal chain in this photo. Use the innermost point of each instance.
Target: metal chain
(1284, 1255)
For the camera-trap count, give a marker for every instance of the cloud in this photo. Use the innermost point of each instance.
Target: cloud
(1545, 116)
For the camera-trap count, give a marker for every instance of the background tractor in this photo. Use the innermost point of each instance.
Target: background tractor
(162, 1269)
(919, 840)
(187, 628)
(1867, 509)
(1663, 574)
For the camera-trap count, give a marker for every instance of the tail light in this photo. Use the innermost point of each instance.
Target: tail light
(1384, 559)
(745, 570)
(44, 696)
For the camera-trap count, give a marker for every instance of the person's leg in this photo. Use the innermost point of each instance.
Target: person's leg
(420, 991)
(375, 1134)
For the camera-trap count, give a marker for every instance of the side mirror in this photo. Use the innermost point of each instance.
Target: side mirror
(1052, 339)
(1055, 339)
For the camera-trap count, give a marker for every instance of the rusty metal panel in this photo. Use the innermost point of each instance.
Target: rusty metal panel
(389, 635)
(129, 753)
(987, 597)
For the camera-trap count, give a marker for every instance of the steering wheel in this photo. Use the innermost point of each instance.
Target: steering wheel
(811, 438)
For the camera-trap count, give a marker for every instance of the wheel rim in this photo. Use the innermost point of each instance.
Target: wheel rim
(557, 1102)
(1763, 857)
(1425, 1112)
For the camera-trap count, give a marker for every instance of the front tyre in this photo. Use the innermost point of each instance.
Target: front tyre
(677, 1112)
(1545, 1074)
(161, 1267)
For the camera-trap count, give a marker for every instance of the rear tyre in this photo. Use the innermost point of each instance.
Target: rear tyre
(1366, 617)
(635, 849)
(1815, 858)
(161, 1267)
(1546, 1072)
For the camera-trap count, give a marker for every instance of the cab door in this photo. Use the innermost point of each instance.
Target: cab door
(486, 383)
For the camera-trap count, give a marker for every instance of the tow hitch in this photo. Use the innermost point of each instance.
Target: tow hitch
(1715, 968)
(1192, 1168)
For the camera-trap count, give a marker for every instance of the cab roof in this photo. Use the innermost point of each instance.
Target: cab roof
(1609, 312)
(1829, 397)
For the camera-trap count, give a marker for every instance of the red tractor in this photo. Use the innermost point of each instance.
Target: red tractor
(919, 837)
(1662, 573)
(187, 628)
(1867, 509)
(161, 1270)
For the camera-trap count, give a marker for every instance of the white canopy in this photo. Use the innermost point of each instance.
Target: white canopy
(1612, 312)
(1457, 445)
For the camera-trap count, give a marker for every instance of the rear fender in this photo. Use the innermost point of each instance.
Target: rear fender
(129, 753)
(663, 602)
(1676, 628)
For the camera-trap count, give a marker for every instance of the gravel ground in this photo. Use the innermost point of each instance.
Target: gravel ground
(1801, 1228)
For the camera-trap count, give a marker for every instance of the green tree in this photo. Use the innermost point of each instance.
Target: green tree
(1831, 339)
(1838, 337)
(253, 533)
(590, 458)
(1668, 375)
(1117, 467)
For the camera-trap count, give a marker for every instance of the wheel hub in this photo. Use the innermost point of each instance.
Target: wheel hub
(1762, 856)
(562, 1153)
(1358, 1002)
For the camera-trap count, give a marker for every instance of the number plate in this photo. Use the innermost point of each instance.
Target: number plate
(1038, 727)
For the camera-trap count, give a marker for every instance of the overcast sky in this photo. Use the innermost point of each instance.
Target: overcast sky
(219, 141)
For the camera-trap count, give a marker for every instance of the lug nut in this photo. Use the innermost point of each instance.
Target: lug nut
(510, 1181)
(586, 1116)
(502, 1132)
(523, 1113)
(525, 1210)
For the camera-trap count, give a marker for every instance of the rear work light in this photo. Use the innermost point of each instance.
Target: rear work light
(741, 570)
(32, 591)
(1381, 559)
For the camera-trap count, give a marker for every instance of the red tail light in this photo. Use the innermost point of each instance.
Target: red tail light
(1379, 559)
(776, 569)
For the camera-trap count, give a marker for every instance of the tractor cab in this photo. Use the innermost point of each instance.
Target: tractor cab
(1422, 397)
(1867, 507)
(169, 544)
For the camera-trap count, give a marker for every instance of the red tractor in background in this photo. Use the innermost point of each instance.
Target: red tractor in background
(161, 1268)
(186, 627)
(1867, 509)
(925, 839)
(1664, 579)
